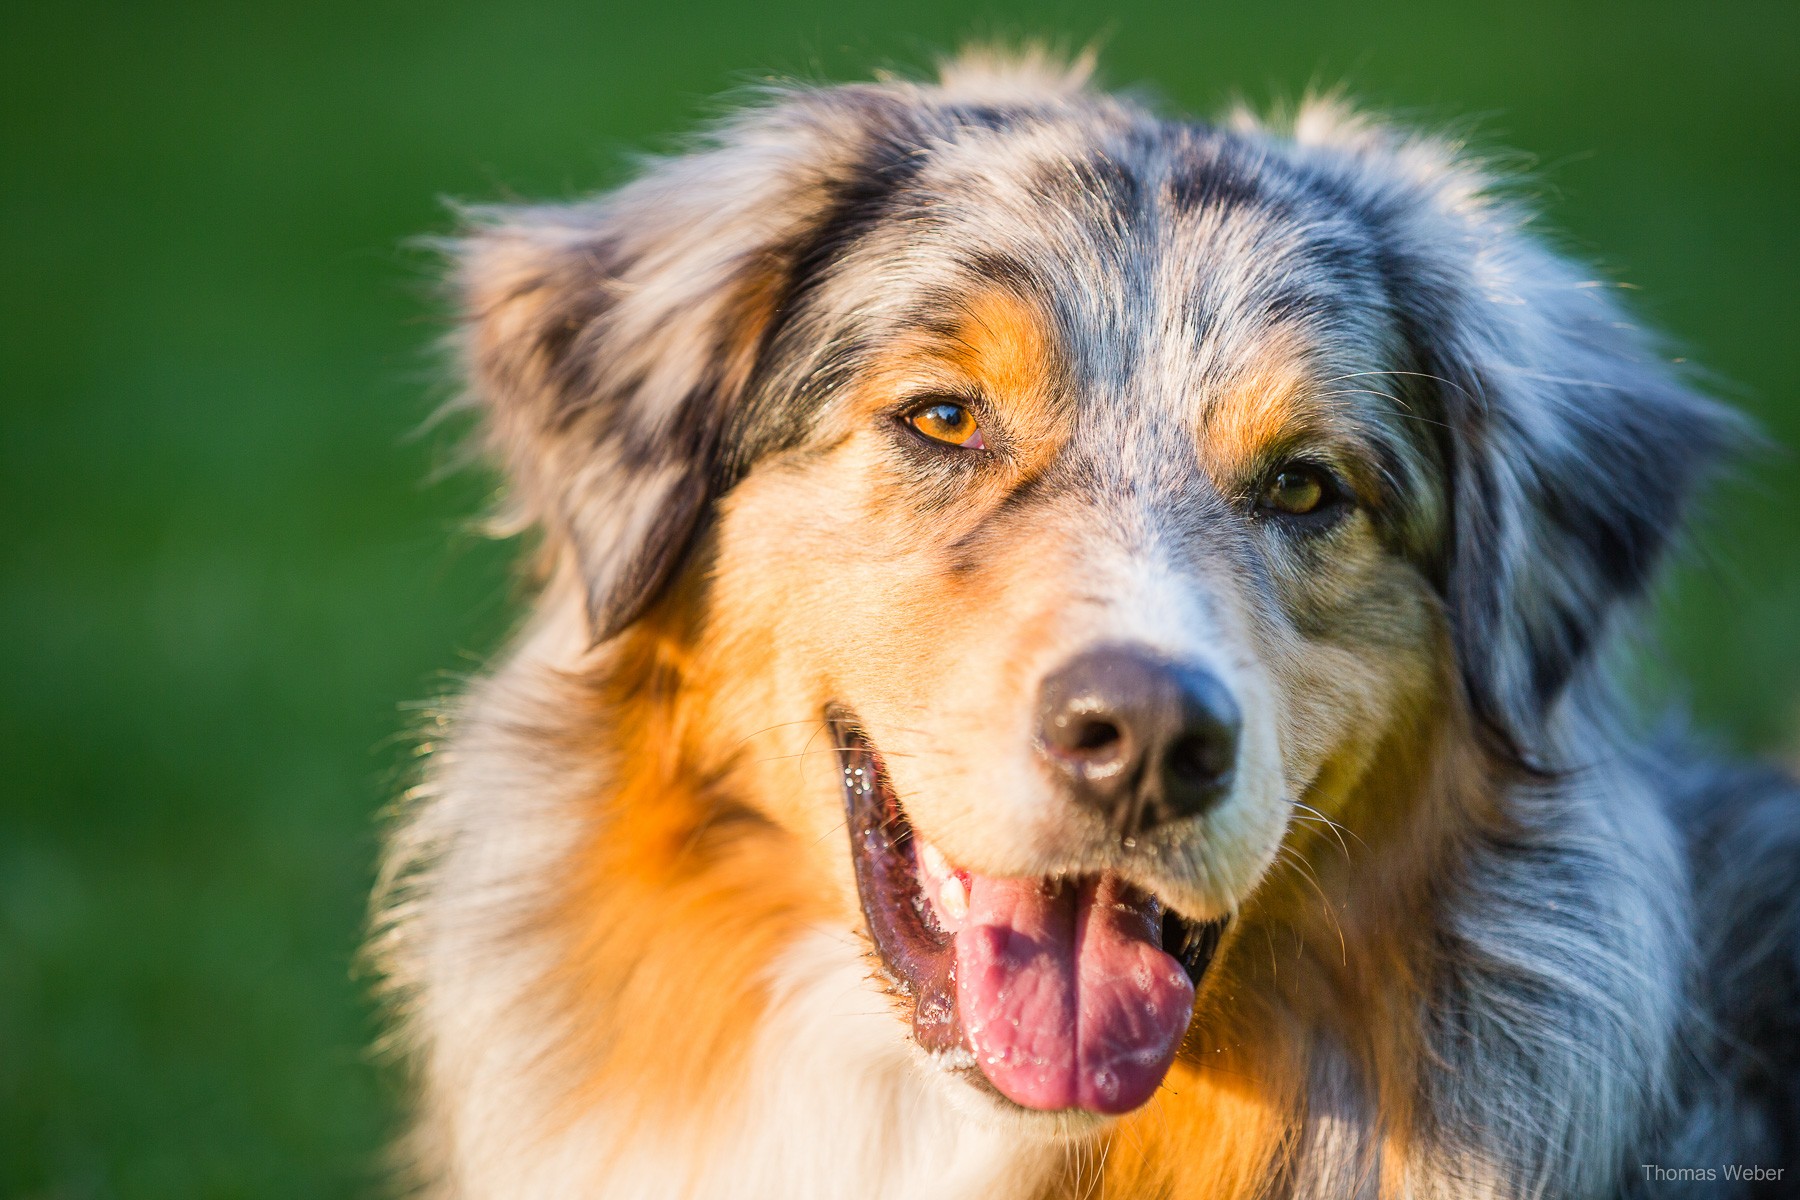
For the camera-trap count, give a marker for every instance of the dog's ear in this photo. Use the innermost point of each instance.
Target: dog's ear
(607, 342)
(1572, 447)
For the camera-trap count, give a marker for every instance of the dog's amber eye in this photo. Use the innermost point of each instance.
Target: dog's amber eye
(948, 422)
(1297, 489)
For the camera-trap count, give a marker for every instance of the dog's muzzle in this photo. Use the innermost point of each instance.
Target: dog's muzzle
(1062, 992)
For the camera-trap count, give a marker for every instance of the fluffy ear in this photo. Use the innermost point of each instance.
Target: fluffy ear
(608, 342)
(1572, 447)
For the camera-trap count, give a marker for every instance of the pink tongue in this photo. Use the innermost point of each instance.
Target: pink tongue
(1066, 997)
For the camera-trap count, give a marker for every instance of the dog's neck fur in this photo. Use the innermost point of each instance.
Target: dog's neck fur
(789, 1075)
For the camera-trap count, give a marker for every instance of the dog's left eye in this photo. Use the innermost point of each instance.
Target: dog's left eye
(948, 422)
(1300, 489)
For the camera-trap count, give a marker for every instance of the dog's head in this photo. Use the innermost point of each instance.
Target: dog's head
(1105, 486)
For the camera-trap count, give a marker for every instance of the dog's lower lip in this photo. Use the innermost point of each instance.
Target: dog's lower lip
(918, 955)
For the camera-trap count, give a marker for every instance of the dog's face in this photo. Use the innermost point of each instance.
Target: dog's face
(1092, 490)
(1098, 556)
(1095, 606)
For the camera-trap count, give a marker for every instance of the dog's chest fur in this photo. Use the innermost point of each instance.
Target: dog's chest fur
(829, 1100)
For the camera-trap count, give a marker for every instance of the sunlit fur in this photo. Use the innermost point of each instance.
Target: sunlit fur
(1477, 950)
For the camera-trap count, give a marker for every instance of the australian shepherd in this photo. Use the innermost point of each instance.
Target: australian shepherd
(1069, 659)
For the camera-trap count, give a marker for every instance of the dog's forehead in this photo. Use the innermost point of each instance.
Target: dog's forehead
(1164, 257)
(1164, 266)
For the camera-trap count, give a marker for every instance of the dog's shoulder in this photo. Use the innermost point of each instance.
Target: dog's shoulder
(1740, 823)
(1738, 1084)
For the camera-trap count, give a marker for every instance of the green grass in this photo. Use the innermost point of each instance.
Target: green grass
(225, 572)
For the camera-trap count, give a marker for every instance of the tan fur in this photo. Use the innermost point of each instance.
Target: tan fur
(706, 840)
(1264, 406)
(671, 861)
(625, 912)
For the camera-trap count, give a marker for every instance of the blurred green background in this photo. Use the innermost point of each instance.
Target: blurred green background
(225, 572)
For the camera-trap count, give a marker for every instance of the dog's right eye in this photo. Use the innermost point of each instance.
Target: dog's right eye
(948, 422)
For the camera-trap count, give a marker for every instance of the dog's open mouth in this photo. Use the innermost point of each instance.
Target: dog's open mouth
(1067, 993)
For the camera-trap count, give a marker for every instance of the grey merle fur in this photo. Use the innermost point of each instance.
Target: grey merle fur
(1559, 450)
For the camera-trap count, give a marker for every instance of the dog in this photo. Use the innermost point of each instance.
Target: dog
(1069, 657)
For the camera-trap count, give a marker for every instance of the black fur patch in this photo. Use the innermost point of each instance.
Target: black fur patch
(868, 194)
(1212, 174)
(1004, 270)
(1097, 185)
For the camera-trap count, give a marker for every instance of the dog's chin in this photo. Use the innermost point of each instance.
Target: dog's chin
(1045, 1004)
(965, 1089)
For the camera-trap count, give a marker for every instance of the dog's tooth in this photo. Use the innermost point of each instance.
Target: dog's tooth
(933, 860)
(953, 898)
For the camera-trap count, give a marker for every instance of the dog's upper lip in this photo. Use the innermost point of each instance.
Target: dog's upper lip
(1055, 1018)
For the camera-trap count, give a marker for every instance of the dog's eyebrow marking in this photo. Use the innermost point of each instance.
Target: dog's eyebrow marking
(1003, 342)
(1277, 410)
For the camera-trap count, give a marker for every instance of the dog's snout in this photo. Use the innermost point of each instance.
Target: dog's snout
(1139, 738)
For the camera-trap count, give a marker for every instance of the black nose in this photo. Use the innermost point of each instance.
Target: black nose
(1140, 739)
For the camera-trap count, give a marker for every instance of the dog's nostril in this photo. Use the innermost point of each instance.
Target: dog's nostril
(1092, 736)
(1138, 738)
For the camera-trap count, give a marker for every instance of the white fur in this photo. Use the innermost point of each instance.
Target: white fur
(1555, 1018)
